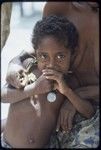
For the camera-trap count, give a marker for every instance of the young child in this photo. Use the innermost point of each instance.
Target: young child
(34, 108)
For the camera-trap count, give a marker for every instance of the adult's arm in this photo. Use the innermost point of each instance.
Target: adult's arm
(90, 92)
(68, 111)
(56, 8)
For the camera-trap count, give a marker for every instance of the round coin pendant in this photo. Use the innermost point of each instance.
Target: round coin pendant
(51, 97)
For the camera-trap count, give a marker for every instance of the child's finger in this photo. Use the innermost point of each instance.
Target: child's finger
(51, 77)
(70, 122)
(65, 123)
(55, 86)
(58, 124)
(50, 71)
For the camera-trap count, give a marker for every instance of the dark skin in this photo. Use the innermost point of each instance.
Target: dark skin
(85, 65)
(36, 124)
(33, 121)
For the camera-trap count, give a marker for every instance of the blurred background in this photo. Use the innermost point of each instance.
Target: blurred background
(23, 18)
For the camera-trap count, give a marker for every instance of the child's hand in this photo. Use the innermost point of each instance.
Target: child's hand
(65, 118)
(42, 85)
(57, 76)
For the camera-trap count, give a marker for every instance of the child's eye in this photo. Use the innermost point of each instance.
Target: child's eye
(43, 56)
(59, 57)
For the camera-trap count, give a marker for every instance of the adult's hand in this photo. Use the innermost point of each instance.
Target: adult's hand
(65, 118)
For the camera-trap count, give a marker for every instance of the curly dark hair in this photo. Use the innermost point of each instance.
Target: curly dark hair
(58, 27)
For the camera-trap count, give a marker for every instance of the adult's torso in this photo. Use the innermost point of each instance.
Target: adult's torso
(86, 62)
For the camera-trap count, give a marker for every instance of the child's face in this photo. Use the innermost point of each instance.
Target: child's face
(53, 55)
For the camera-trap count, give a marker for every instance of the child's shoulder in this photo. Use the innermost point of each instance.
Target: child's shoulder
(72, 80)
(30, 64)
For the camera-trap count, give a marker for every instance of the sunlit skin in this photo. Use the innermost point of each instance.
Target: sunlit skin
(49, 58)
(54, 61)
(86, 62)
(36, 128)
(52, 57)
(85, 66)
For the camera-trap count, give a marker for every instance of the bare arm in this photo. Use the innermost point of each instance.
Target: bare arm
(89, 92)
(57, 8)
(67, 111)
(21, 57)
(10, 94)
(83, 106)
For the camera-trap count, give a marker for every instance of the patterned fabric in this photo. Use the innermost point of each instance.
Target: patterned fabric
(4, 144)
(85, 134)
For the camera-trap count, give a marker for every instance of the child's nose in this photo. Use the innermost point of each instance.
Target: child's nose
(51, 64)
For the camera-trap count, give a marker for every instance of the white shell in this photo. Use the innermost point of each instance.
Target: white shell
(51, 97)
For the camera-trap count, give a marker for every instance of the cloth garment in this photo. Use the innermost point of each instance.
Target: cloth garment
(84, 134)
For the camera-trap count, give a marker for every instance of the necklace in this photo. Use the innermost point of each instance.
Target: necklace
(51, 96)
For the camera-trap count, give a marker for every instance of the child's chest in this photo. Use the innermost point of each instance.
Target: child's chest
(51, 100)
